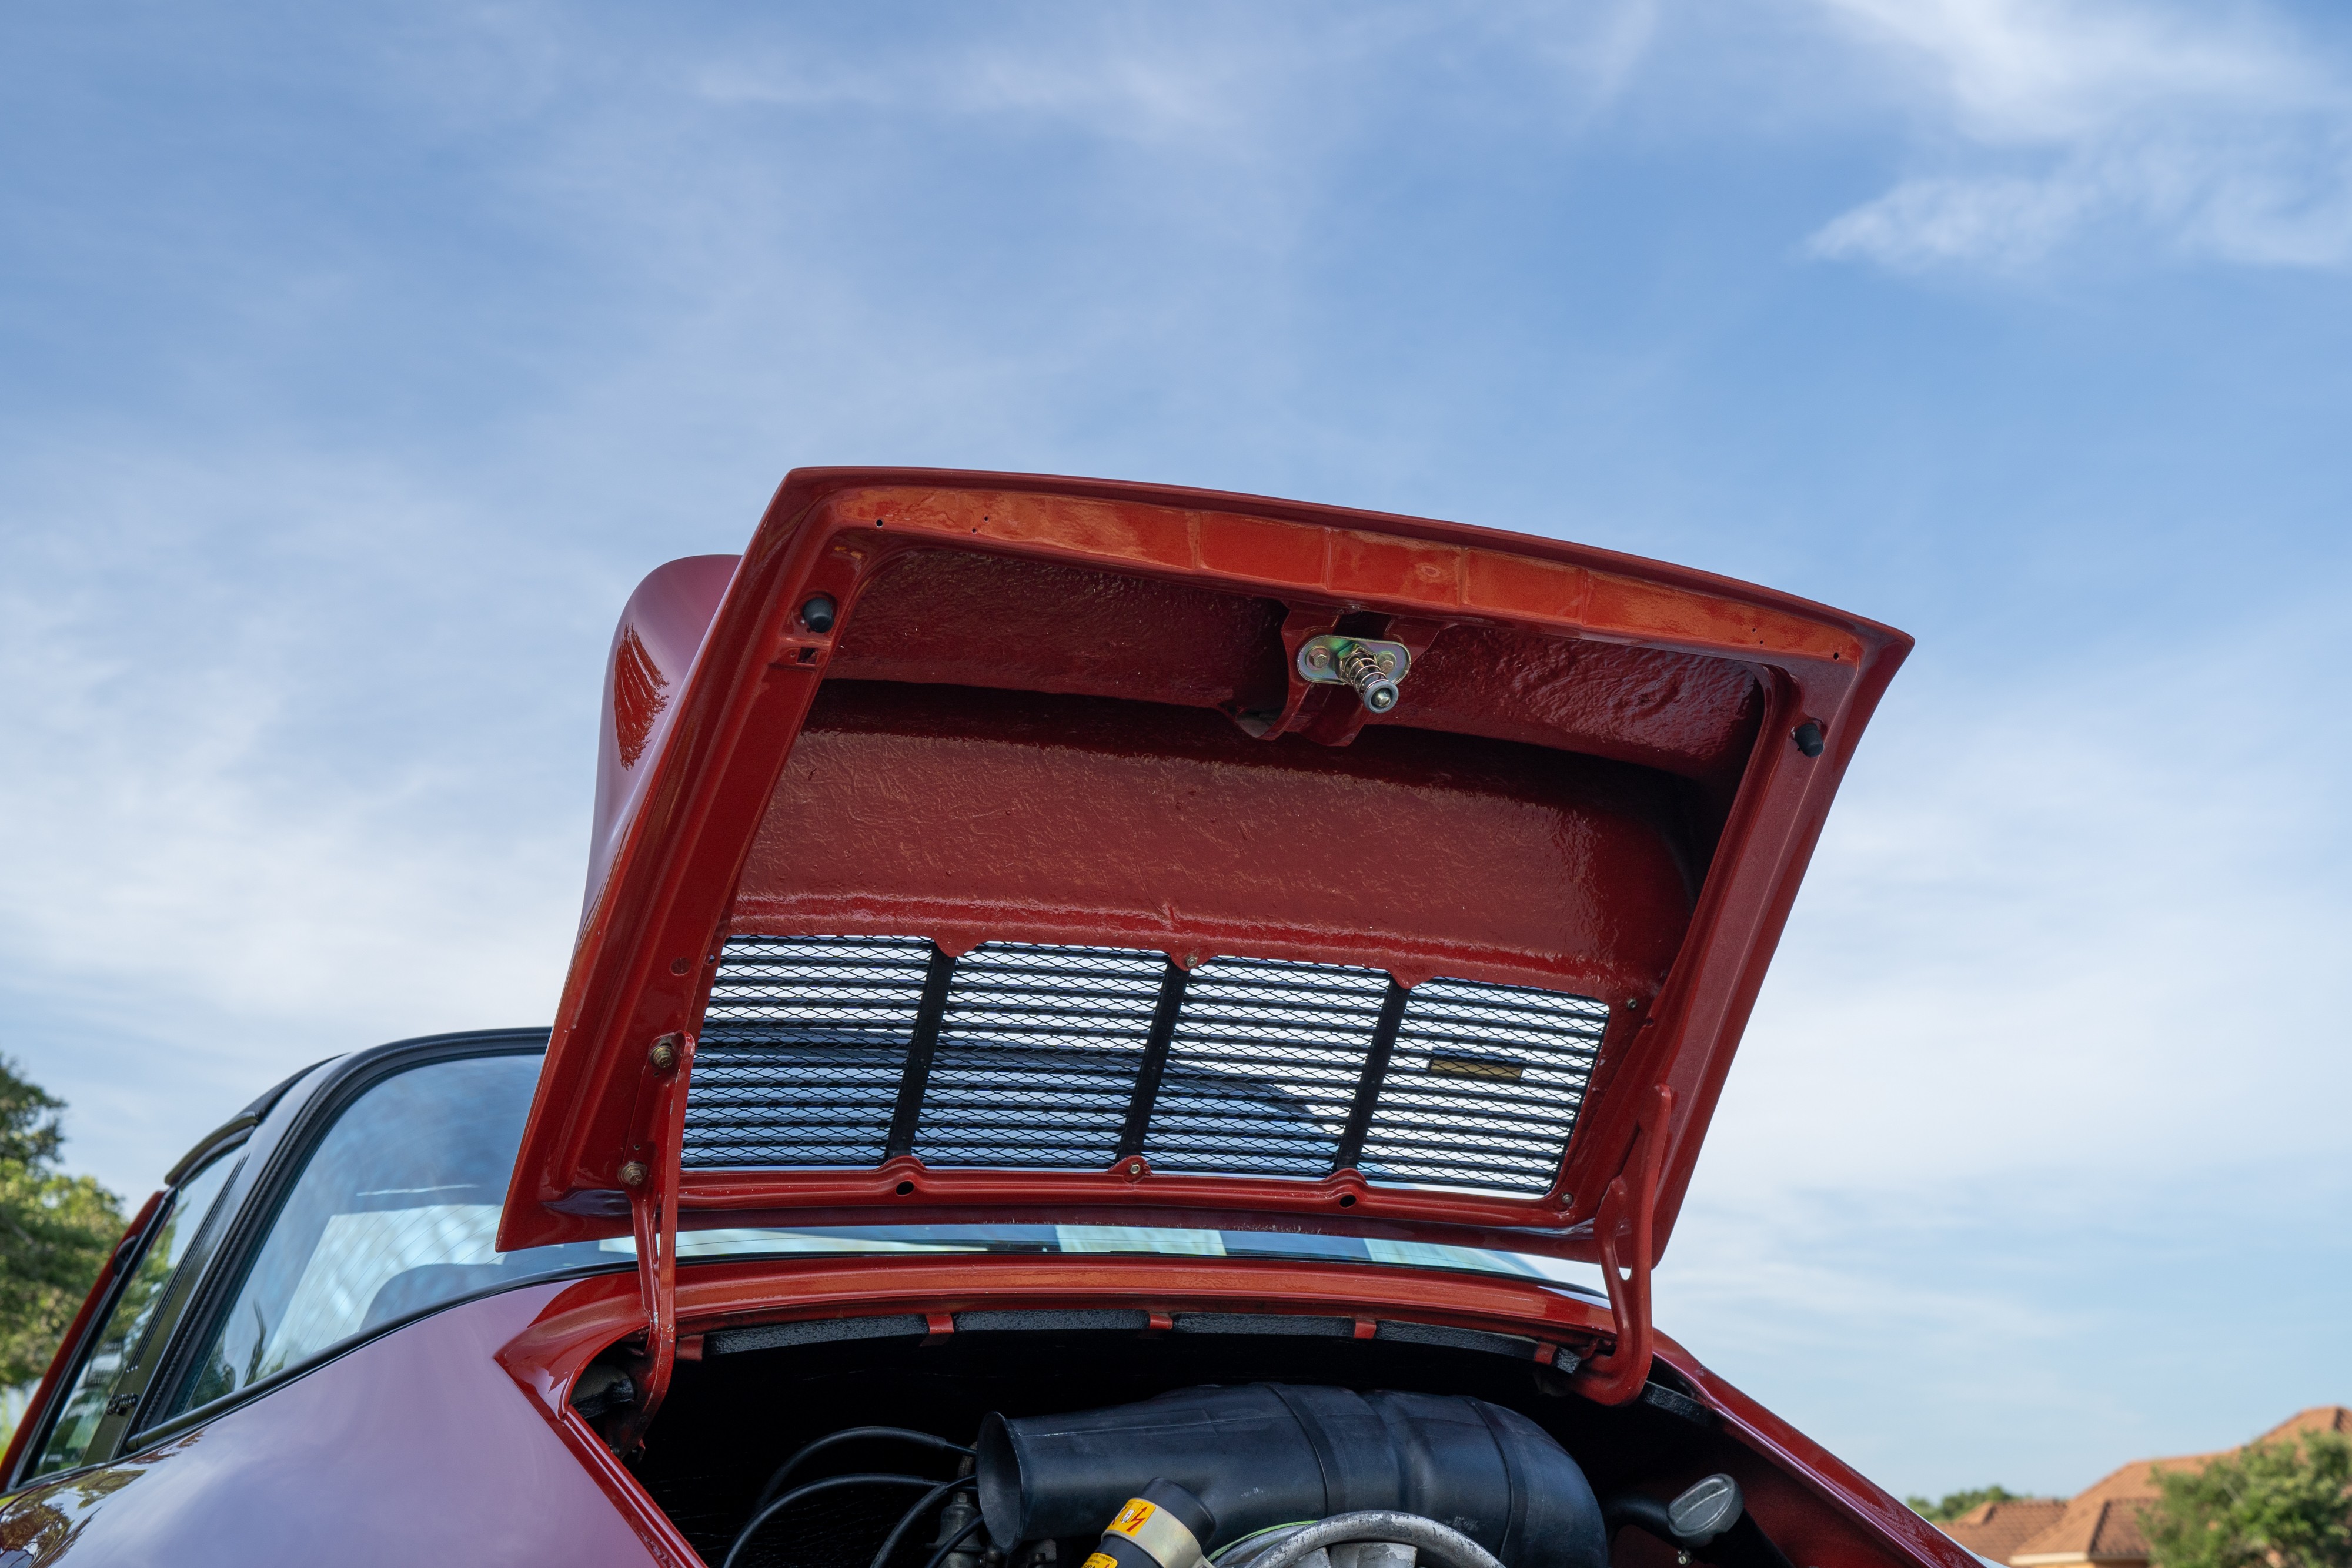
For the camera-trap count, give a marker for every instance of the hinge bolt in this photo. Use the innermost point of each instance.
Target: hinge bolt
(664, 1055)
(632, 1174)
(1373, 669)
(1373, 684)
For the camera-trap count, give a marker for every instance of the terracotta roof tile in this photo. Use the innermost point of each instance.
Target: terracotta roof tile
(1995, 1529)
(2318, 1419)
(2102, 1520)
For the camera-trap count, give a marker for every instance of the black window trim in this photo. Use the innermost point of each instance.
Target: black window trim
(222, 1143)
(264, 1194)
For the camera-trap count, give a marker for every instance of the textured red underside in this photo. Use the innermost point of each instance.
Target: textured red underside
(944, 616)
(970, 815)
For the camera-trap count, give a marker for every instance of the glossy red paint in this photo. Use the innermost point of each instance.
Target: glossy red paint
(37, 1409)
(454, 1434)
(1795, 1477)
(753, 803)
(1616, 1374)
(415, 1447)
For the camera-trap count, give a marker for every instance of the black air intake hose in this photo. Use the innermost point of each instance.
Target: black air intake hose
(1273, 1453)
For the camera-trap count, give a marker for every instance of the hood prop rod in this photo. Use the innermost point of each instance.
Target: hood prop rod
(1623, 1229)
(652, 1220)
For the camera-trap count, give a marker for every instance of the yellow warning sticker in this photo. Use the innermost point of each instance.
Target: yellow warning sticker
(1133, 1517)
(1100, 1559)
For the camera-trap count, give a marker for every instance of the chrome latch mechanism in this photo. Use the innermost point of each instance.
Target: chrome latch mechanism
(1372, 668)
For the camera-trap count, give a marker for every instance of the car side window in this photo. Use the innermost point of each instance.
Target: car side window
(120, 1346)
(395, 1213)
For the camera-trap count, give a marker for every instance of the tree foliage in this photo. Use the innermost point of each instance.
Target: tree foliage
(1954, 1504)
(2275, 1505)
(55, 1230)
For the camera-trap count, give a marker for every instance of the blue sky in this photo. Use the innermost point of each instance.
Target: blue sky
(355, 365)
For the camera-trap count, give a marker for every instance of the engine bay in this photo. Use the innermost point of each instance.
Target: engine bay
(1077, 1440)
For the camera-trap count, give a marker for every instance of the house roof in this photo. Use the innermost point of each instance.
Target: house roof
(1995, 1529)
(2333, 1418)
(2102, 1522)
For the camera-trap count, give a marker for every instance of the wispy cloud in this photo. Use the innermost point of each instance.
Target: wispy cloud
(2040, 938)
(2217, 131)
(260, 811)
(2048, 1021)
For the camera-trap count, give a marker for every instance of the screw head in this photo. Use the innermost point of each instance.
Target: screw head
(632, 1174)
(1135, 1167)
(1381, 696)
(1318, 657)
(664, 1055)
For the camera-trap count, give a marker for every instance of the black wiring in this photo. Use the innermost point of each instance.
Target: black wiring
(952, 1541)
(922, 1506)
(849, 1435)
(794, 1496)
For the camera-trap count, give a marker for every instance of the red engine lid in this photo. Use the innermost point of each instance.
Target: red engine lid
(945, 742)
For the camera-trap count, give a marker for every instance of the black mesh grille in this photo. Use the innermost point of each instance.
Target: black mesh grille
(1039, 1049)
(844, 1051)
(1489, 1077)
(1263, 1066)
(801, 1050)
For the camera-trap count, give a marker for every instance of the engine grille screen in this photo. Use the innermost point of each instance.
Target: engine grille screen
(847, 1050)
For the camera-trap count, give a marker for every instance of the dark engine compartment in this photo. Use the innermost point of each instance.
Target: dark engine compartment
(758, 1396)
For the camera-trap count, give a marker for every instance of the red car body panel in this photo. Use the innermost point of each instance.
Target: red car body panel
(723, 807)
(414, 1448)
(451, 1439)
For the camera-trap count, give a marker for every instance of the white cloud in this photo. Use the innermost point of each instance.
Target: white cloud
(2085, 926)
(2219, 133)
(258, 810)
(2050, 1061)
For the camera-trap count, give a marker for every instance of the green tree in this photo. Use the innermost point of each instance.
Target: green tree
(1954, 1504)
(2275, 1505)
(55, 1230)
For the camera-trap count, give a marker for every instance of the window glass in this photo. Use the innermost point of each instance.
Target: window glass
(396, 1212)
(121, 1345)
(882, 1240)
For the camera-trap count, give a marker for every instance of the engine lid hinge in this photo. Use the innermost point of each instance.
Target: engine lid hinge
(652, 1220)
(1623, 1226)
